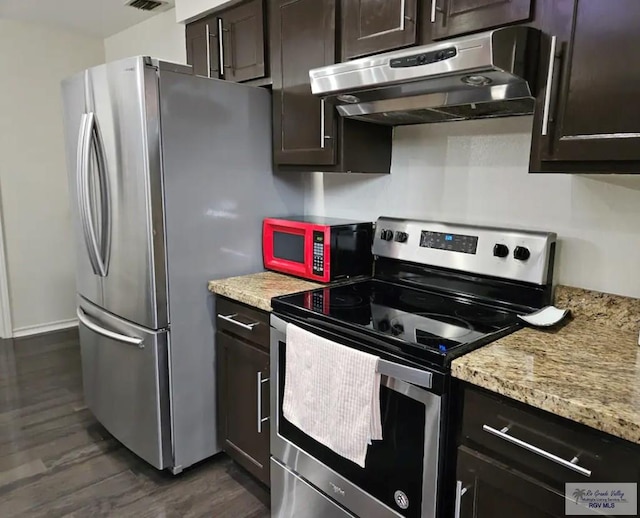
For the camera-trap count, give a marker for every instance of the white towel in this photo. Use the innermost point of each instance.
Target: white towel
(332, 393)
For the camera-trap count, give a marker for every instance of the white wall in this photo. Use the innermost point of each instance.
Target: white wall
(476, 172)
(33, 174)
(188, 10)
(159, 37)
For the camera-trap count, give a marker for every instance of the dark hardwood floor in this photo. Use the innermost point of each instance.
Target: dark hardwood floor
(56, 460)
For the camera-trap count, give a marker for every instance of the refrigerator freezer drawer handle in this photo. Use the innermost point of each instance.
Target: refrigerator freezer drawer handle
(82, 317)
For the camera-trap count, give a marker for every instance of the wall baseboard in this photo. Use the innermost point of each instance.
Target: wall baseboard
(44, 328)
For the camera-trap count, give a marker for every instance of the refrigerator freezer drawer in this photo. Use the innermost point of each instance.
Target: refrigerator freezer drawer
(125, 378)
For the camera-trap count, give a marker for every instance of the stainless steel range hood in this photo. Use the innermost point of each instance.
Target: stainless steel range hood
(478, 76)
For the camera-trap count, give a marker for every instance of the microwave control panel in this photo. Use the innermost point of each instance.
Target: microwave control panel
(318, 253)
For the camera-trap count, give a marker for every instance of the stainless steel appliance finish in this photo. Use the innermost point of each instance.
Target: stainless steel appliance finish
(124, 370)
(477, 76)
(534, 269)
(411, 383)
(439, 290)
(171, 177)
(294, 497)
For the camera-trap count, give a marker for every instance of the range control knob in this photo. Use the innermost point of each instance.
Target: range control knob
(521, 253)
(386, 235)
(401, 237)
(500, 250)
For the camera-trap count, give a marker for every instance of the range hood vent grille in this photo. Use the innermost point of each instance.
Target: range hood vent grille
(146, 5)
(479, 76)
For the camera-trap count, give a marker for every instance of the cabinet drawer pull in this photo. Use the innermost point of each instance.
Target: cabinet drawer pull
(460, 491)
(570, 464)
(547, 95)
(229, 318)
(260, 418)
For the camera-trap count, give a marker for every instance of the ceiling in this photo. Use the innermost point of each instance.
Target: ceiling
(100, 18)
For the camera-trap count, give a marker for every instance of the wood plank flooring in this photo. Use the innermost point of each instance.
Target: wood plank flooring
(56, 460)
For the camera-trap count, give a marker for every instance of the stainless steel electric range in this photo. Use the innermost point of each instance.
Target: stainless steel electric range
(439, 291)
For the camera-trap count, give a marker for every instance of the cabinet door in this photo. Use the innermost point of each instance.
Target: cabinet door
(202, 47)
(486, 489)
(453, 17)
(243, 42)
(243, 403)
(370, 26)
(590, 114)
(196, 39)
(303, 36)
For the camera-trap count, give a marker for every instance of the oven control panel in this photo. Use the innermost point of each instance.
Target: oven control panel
(520, 255)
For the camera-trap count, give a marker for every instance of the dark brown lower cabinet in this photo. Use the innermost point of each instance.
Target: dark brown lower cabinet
(243, 403)
(514, 460)
(488, 489)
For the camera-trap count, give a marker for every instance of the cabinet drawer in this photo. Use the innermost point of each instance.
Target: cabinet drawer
(548, 447)
(241, 320)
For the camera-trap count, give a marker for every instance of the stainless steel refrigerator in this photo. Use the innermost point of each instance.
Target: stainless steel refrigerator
(170, 176)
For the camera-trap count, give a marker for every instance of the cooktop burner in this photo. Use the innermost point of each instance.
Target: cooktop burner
(439, 290)
(423, 323)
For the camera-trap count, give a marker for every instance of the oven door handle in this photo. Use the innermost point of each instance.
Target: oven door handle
(397, 371)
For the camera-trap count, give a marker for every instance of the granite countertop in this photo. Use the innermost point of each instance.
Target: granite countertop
(258, 289)
(587, 370)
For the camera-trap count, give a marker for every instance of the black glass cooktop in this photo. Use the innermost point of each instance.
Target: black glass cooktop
(426, 325)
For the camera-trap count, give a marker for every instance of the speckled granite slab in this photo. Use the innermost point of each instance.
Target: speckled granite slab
(588, 370)
(258, 289)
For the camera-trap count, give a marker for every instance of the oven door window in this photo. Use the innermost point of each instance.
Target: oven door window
(289, 247)
(394, 464)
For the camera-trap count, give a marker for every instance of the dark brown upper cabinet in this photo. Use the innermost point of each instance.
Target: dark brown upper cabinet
(371, 26)
(239, 55)
(308, 134)
(454, 17)
(303, 36)
(202, 45)
(243, 41)
(589, 115)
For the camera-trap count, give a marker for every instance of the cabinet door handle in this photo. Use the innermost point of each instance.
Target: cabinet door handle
(547, 95)
(570, 464)
(323, 124)
(460, 491)
(221, 47)
(229, 318)
(261, 419)
(434, 9)
(208, 34)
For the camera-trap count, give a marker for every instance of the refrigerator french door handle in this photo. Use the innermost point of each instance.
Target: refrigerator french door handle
(82, 317)
(89, 228)
(82, 168)
(105, 199)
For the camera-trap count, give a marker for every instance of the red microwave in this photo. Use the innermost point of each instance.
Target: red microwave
(316, 248)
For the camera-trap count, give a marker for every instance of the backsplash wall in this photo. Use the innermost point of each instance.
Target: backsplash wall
(476, 172)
